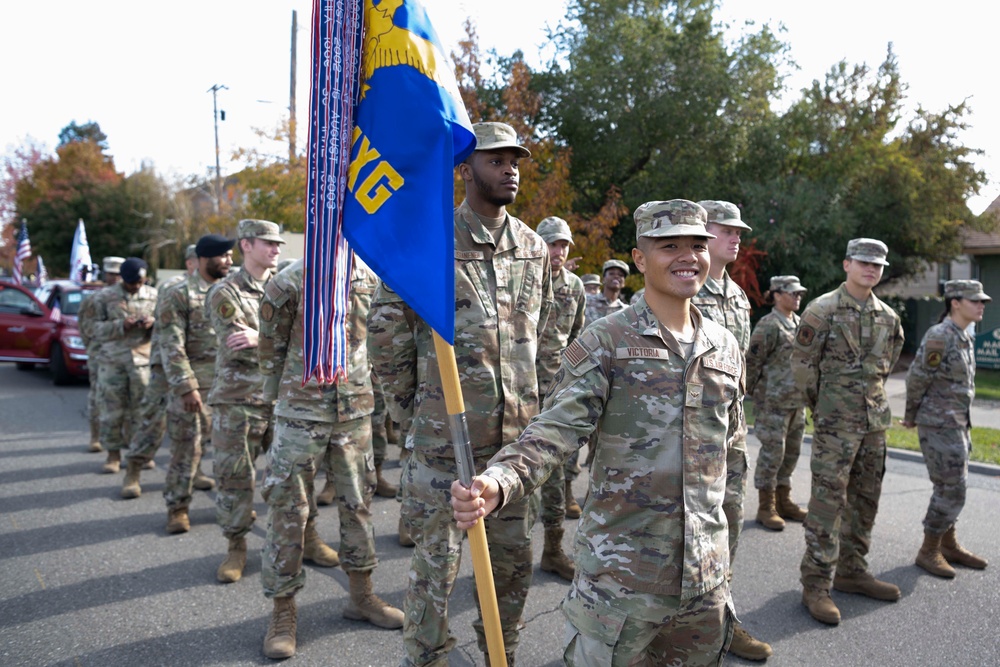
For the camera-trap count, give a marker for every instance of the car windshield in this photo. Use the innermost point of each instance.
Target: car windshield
(69, 302)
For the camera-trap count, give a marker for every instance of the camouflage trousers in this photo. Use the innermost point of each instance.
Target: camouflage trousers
(434, 567)
(152, 418)
(553, 492)
(94, 393)
(121, 387)
(847, 471)
(240, 433)
(780, 433)
(190, 433)
(610, 625)
(299, 449)
(736, 489)
(380, 435)
(946, 453)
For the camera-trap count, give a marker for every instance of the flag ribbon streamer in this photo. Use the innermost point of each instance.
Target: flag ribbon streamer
(337, 32)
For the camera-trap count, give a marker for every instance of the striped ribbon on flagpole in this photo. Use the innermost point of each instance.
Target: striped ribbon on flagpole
(337, 32)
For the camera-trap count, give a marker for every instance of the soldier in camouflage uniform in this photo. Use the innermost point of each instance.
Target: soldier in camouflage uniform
(665, 386)
(940, 386)
(241, 417)
(503, 295)
(121, 328)
(591, 283)
(724, 302)
(152, 419)
(189, 348)
(317, 427)
(779, 426)
(565, 323)
(84, 318)
(845, 347)
(608, 300)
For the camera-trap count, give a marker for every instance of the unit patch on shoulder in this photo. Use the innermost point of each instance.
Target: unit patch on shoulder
(266, 311)
(805, 335)
(226, 310)
(933, 358)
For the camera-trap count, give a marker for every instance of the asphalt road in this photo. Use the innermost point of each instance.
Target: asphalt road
(87, 579)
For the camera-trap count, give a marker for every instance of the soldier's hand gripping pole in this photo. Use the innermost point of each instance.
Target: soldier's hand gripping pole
(481, 566)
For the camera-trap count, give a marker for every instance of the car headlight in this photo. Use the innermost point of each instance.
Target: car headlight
(74, 341)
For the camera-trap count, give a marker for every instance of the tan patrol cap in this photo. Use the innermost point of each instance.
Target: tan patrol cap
(113, 264)
(496, 136)
(553, 229)
(872, 251)
(966, 289)
(614, 264)
(724, 213)
(259, 229)
(590, 279)
(787, 284)
(675, 217)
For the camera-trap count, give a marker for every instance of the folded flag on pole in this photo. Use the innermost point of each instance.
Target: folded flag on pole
(79, 256)
(21, 252)
(43, 273)
(381, 161)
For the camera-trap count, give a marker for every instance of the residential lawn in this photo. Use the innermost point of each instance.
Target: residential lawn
(985, 442)
(988, 384)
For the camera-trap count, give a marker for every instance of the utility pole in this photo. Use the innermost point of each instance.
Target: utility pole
(291, 95)
(215, 114)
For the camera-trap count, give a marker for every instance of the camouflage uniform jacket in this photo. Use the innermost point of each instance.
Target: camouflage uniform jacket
(233, 302)
(156, 350)
(769, 361)
(112, 305)
(653, 519)
(724, 302)
(565, 322)
(941, 381)
(280, 351)
(503, 295)
(598, 306)
(187, 339)
(84, 322)
(842, 354)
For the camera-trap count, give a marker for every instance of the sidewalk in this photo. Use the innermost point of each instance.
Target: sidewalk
(984, 413)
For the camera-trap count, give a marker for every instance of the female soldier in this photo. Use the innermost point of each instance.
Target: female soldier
(778, 426)
(939, 389)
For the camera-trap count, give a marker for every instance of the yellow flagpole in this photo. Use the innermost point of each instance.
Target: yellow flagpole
(481, 565)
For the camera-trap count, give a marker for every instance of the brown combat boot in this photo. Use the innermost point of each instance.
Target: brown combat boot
(316, 550)
(384, 488)
(203, 482)
(366, 606)
(405, 540)
(929, 557)
(279, 643)
(178, 520)
(820, 605)
(231, 569)
(329, 492)
(865, 584)
(95, 436)
(573, 509)
(553, 558)
(767, 516)
(786, 508)
(953, 552)
(114, 462)
(745, 646)
(130, 485)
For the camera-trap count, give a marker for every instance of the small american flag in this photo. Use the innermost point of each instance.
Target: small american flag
(23, 251)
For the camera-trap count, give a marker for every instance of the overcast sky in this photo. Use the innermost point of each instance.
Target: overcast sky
(142, 70)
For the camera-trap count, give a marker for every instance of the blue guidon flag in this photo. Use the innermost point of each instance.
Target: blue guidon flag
(403, 135)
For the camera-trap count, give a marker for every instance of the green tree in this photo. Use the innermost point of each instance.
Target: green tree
(272, 186)
(89, 131)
